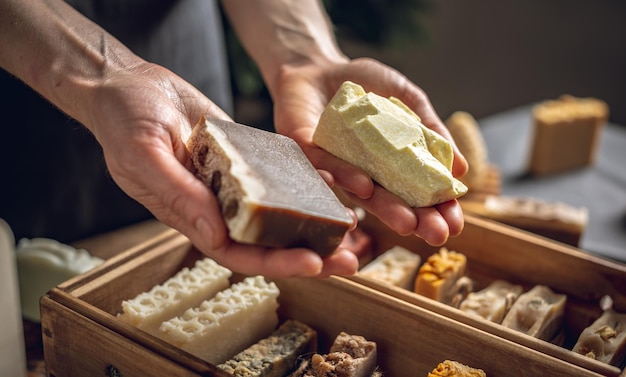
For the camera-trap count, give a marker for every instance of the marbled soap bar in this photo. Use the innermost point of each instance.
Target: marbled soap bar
(276, 355)
(269, 192)
(386, 139)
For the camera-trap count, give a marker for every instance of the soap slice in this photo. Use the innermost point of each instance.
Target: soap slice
(386, 139)
(349, 356)
(552, 219)
(493, 302)
(269, 192)
(276, 355)
(396, 266)
(188, 288)
(442, 277)
(227, 324)
(538, 313)
(605, 339)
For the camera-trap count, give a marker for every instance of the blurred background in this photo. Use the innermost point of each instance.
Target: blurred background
(481, 56)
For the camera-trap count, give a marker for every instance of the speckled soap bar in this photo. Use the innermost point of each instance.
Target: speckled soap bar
(269, 192)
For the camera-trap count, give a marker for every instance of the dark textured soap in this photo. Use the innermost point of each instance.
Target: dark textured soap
(269, 192)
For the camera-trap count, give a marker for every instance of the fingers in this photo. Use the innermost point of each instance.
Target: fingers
(436, 224)
(433, 224)
(347, 176)
(283, 263)
(389, 209)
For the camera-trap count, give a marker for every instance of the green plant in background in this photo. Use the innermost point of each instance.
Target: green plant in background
(388, 24)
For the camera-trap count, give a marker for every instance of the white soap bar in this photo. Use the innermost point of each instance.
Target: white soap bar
(396, 266)
(43, 264)
(188, 288)
(493, 302)
(228, 323)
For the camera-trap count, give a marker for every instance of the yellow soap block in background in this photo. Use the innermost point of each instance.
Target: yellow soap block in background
(566, 134)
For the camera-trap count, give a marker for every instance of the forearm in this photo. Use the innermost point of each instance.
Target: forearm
(58, 52)
(277, 33)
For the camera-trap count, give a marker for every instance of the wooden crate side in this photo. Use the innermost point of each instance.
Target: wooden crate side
(77, 346)
(544, 347)
(533, 259)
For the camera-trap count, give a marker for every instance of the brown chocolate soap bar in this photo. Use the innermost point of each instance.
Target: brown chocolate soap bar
(269, 192)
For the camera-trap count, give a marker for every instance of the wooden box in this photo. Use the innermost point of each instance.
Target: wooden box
(83, 337)
(497, 251)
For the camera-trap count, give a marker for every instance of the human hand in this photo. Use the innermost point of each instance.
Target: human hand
(142, 119)
(300, 94)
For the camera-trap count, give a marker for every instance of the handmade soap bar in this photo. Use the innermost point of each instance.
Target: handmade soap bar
(538, 313)
(493, 302)
(349, 356)
(442, 277)
(396, 266)
(605, 339)
(269, 192)
(276, 355)
(188, 288)
(566, 133)
(42, 264)
(386, 139)
(227, 324)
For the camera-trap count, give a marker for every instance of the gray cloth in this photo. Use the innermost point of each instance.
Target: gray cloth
(54, 180)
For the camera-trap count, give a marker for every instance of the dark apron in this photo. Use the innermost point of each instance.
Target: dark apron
(54, 181)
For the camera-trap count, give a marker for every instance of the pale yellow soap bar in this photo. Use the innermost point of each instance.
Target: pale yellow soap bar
(386, 139)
